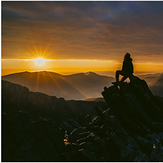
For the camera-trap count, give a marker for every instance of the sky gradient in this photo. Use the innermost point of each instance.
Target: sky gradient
(81, 36)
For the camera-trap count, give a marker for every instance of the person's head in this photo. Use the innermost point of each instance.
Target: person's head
(127, 55)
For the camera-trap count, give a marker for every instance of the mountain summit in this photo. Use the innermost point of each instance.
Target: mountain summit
(130, 130)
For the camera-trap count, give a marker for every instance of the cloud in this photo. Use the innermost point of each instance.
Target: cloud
(82, 30)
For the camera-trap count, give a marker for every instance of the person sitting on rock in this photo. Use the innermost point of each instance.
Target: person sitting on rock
(127, 69)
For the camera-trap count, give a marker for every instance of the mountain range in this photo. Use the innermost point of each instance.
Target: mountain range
(78, 86)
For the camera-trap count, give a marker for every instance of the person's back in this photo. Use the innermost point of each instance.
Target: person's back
(127, 64)
(127, 69)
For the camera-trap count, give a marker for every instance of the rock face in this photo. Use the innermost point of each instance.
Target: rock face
(130, 130)
(27, 140)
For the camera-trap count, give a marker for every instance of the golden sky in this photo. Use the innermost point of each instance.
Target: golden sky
(81, 36)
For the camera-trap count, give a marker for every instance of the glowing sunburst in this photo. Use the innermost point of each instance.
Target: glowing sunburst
(39, 61)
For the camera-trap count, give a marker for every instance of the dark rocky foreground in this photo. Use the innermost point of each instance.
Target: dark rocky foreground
(130, 129)
(34, 124)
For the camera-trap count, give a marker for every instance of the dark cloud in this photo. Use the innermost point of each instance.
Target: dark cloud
(87, 30)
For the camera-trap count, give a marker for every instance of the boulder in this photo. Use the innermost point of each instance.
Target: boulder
(118, 150)
(158, 126)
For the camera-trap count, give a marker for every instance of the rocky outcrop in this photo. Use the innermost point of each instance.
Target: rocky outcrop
(25, 139)
(130, 130)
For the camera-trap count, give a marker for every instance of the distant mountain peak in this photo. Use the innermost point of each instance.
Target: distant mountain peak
(90, 73)
(78, 86)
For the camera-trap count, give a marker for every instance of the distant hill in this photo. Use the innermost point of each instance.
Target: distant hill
(157, 87)
(150, 78)
(95, 99)
(78, 86)
(15, 97)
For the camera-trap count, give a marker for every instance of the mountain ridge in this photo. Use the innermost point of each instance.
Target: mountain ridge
(37, 82)
(79, 86)
(86, 85)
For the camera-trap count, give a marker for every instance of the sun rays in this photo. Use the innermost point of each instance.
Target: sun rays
(40, 61)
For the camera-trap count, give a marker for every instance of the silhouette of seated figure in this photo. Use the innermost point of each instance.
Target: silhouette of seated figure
(127, 69)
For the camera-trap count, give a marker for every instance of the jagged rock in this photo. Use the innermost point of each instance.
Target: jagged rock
(118, 149)
(141, 157)
(156, 139)
(74, 123)
(132, 101)
(159, 101)
(96, 121)
(72, 146)
(84, 134)
(135, 127)
(91, 137)
(86, 155)
(146, 97)
(116, 127)
(67, 127)
(161, 136)
(145, 144)
(157, 154)
(66, 156)
(31, 140)
(114, 100)
(90, 146)
(84, 120)
(99, 111)
(158, 126)
(74, 135)
(93, 128)
(125, 131)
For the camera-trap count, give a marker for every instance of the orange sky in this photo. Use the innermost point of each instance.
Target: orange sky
(81, 36)
(74, 66)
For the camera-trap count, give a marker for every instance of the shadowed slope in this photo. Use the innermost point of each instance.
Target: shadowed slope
(157, 87)
(41, 82)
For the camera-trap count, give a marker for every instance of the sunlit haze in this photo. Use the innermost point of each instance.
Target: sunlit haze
(39, 61)
(71, 37)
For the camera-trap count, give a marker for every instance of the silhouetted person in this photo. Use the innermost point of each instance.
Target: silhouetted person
(127, 69)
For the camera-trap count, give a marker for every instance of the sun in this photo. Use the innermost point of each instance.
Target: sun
(39, 61)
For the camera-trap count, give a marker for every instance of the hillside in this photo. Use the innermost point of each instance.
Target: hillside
(45, 83)
(155, 83)
(77, 86)
(151, 78)
(157, 87)
(16, 97)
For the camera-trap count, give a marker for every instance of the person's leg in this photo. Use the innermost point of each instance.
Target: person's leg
(124, 78)
(118, 72)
